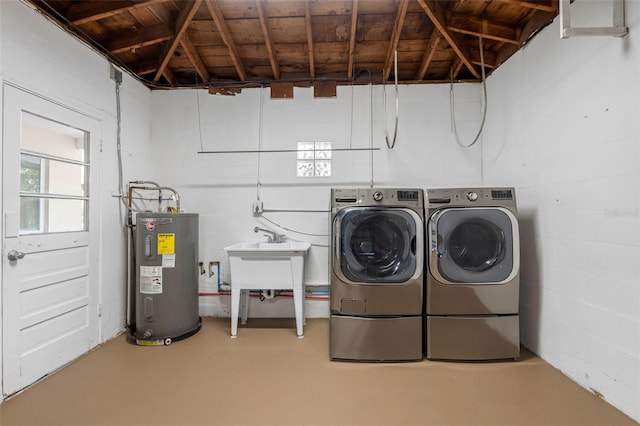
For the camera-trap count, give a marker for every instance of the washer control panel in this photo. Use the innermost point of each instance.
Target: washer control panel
(343, 197)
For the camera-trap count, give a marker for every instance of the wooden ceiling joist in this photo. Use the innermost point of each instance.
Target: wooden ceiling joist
(89, 11)
(184, 19)
(307, 19)
(484, 28)
(194, 57)
(456, 68)
(395, 38)
(430, 51)
(273, 59)
(352, 38)
(543, 5)
(433, 9)
(139, 38)
(307, 40)
(221, 25)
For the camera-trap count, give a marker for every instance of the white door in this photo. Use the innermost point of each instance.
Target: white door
(49, 244)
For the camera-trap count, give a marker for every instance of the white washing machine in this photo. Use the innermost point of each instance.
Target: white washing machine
(376, 274)
(472, 289)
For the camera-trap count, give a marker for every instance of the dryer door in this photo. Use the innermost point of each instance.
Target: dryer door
(377, 245)
(474, 245)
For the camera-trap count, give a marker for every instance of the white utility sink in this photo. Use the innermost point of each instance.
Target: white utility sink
(266, 266)
(281, 248)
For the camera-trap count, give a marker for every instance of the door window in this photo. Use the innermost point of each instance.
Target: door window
(378, 245)
(54, 176)
(474, 245)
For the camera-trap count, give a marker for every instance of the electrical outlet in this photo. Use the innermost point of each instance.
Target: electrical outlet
(257, 207)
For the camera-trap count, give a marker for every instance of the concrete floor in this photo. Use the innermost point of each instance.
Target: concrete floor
(267, 376)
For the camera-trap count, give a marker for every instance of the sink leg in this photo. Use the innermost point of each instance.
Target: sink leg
(235, 305)
(298, 306)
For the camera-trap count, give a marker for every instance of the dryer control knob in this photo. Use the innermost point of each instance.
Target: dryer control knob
(377, 196)
(472, 196)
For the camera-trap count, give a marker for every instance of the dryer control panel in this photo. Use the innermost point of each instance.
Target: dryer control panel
(471, 196)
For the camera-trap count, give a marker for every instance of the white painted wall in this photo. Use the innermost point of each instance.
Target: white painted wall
(563, 129)
(222, 187)
(37, 56)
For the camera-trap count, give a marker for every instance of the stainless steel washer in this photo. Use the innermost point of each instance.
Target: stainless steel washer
(473, 282)
(377, 274)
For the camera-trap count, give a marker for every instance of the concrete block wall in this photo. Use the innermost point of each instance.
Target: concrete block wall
(563, 129)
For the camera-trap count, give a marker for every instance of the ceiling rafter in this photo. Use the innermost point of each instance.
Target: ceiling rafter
(456, 67)
(184, 19)
(136, 39)
(307, 19)
(395, 38)
(433, 9)
(306, 40)
(543, 5)
(352, 38)
(429, 52)
(488, 57)
(221, 25)
(273, 58)
(89, 11)
(484, 28)
(195, 58)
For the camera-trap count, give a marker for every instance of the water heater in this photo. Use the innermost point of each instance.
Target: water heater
(166, 262)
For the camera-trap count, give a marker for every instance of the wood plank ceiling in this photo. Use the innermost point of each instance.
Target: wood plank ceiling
(223, 44)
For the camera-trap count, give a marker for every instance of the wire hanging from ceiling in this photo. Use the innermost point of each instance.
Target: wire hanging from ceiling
(391, 144)
(484, 103)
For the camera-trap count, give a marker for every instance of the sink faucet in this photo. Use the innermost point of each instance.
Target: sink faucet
(271, 235)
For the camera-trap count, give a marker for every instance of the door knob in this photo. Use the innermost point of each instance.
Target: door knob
(14, 255)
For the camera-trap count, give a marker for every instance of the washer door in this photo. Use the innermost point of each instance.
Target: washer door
(474, 245)
(377, 245)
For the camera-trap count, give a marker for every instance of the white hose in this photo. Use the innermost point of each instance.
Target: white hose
(484, 107)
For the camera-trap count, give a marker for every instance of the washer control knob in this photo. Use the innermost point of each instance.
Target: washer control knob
(472, 196)
(377, 196)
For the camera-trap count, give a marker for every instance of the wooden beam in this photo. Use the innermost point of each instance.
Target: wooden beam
(455, 68)
(138, 38)
(88, 11)
(538, 21)
(434, 11)
(307, 18)
(194, 57)
(543, 5)
(221, 25)
(489, 57)
(478, 27)
(352, 38)
(273, 59)
(395, 38)
(168, 75)
(184, 19)
(434, 39)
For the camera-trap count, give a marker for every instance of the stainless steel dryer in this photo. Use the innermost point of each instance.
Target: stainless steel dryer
(377, 274)
(473, 281)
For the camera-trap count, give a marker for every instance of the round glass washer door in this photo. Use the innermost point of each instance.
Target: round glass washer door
(378, 245)
(474, 245)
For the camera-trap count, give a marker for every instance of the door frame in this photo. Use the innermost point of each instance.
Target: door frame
(25, 99)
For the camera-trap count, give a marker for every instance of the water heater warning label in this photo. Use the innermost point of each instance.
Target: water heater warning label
(151, 279)
(166, 243)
